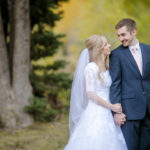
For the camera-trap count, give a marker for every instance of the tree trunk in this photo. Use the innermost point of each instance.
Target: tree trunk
(7, 103)
(15, 88)
(21, 60)
(11, 9)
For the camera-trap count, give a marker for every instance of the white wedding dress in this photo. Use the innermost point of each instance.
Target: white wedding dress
(96, 129)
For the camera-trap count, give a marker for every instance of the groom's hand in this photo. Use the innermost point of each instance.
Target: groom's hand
(119, 118)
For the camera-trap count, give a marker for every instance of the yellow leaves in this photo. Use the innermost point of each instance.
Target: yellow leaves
(71, 12)
(82, 18)
(44, 61)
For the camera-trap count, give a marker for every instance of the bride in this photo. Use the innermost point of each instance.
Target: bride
(91, 122)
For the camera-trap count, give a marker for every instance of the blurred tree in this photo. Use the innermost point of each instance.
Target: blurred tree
(46, 79)
(139, 10)
(15, 87)
(15, 56)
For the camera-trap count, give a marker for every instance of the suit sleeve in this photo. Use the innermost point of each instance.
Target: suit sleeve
(115, 73)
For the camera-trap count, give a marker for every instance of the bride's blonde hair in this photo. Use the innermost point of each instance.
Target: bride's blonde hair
(95, 44)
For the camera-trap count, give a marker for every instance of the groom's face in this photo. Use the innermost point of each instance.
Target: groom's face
(125, 37)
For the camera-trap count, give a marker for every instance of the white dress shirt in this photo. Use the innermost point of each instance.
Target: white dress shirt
(138, 51)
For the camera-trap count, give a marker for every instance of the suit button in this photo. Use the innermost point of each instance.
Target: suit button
(144, 92)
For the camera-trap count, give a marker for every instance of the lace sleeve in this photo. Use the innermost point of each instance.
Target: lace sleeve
(90, 80)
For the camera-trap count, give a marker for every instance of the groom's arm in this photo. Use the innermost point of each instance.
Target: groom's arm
(115, 89)
(115, 73)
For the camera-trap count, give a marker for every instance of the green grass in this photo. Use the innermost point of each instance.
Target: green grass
(39, 136)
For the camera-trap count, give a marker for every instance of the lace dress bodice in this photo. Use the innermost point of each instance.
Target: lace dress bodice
(93, 83)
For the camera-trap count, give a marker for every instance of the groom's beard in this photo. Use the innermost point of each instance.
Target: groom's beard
(127, 42)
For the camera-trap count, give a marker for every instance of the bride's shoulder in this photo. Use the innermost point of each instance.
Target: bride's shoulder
(91, 66)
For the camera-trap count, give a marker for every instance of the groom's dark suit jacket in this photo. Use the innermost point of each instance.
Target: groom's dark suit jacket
(129, 87)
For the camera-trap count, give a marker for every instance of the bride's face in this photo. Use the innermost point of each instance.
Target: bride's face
(106, 49)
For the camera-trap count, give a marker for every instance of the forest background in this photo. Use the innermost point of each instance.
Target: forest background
(55, 32)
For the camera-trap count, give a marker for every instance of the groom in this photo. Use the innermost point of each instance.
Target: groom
(130, 72)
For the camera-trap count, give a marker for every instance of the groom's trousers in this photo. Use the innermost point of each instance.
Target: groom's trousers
(137, 133)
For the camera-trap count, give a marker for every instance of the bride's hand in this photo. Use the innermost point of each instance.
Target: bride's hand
(116, 108)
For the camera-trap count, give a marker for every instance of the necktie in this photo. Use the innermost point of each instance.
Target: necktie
(137, 59)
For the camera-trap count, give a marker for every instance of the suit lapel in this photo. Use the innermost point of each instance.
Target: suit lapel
(131, 59)
(143, 52)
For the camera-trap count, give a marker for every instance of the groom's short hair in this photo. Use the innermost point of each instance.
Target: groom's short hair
(129, 23)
